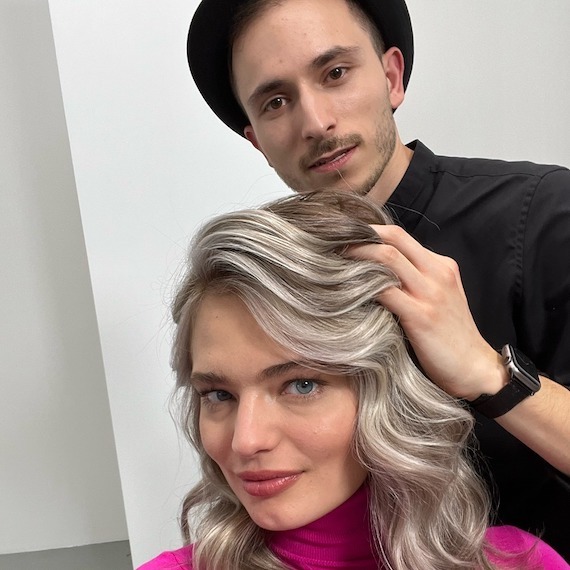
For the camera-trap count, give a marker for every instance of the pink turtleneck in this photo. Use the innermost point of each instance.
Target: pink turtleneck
(337, 541)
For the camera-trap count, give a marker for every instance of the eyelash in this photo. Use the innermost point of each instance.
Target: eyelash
(343, 70)
(318, 386)
(267, 107)
(205, 400)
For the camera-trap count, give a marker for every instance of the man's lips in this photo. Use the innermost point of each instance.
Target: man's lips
(332, 161)
(267, 483)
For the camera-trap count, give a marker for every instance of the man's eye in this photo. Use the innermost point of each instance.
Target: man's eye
(337, 72)
(275, 104)
(301, 387)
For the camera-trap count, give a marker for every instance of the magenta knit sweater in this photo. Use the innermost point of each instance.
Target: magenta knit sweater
(337, 541)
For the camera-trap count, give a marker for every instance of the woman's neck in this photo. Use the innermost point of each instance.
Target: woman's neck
(340, 539)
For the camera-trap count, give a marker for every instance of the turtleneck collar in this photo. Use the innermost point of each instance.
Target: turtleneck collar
(340, 539)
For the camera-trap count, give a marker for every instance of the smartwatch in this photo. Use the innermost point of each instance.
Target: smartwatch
(524, 382)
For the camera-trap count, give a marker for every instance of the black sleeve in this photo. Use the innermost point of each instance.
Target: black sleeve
(544, 328)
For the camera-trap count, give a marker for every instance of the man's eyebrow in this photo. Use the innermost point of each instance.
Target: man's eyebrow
(321, 60)
(264, 89)
(326, 57)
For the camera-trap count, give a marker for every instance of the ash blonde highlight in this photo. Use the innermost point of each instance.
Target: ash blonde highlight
(286, 261)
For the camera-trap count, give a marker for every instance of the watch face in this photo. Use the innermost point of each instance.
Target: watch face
(521, 368)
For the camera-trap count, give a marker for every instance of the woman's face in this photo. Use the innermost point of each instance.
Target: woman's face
(280, 433)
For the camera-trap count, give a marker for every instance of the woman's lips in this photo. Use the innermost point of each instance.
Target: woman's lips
(267, 483)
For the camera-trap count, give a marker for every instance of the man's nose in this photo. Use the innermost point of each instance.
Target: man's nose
(316, 114)
(256, 426)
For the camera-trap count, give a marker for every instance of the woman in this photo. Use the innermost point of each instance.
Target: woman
(321, 444)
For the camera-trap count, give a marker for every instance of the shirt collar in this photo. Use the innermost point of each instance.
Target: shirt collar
(409, 200)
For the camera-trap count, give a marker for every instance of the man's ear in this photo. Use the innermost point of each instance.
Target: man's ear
(249, 134)
(393, 62)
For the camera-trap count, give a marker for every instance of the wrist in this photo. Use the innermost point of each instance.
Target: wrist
(523, 382)
(494, 376)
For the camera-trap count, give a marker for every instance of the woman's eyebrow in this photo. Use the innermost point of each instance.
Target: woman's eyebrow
(280, 369)
(213, 379)
(209, 378)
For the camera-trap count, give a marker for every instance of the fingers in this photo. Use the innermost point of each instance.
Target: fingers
(405, 244)
(417, 268)
(433, 311)
(389, 256)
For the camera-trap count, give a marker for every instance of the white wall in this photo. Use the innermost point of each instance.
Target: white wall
(59, 480)
(151, 162)
(490, 79)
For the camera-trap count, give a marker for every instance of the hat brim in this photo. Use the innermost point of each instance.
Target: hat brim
(208, 48)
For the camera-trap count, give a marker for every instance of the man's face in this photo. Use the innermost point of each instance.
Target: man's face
(318, 95)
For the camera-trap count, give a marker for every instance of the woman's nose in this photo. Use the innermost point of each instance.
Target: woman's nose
(256, 427)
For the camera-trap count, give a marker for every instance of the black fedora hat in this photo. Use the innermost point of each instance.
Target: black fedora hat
(208, 49)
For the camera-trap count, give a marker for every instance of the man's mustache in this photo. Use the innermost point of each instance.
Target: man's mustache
(326, 146)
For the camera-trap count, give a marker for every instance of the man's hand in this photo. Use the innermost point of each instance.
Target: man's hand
(435, 316)
(434, 313)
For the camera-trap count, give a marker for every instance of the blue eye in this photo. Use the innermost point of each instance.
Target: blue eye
(302, 387)
(217, 396)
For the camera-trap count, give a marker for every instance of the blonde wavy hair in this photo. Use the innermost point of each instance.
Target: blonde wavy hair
(286, 262)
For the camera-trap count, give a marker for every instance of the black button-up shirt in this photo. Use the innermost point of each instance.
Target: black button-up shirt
(507, 224)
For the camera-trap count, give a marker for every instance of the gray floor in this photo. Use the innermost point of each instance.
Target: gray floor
(108, 556)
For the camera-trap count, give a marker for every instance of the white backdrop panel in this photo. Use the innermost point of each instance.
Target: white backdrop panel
(59, 479)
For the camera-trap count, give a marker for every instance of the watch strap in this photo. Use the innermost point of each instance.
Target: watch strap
(524, 382)
(502, 402)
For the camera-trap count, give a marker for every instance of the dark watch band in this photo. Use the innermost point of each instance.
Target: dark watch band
(502, 402)
(524, 382)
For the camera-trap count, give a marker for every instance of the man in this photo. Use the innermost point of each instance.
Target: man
(313, 84)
